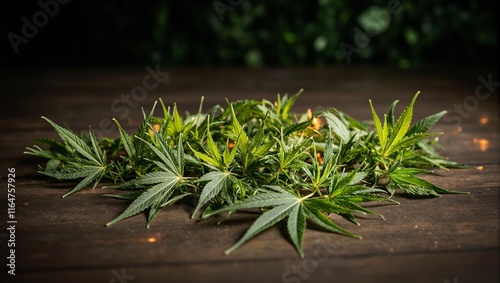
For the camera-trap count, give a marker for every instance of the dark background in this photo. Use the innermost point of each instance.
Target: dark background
(252, 33)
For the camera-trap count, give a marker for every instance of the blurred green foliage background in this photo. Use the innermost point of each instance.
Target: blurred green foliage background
(277, 33)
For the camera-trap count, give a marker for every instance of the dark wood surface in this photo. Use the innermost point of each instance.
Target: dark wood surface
(454, 238)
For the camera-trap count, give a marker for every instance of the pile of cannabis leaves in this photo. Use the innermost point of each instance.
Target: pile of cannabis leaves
(258, 156)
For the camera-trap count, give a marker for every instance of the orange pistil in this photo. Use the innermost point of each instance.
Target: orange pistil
(317, 123)
(230, 144)
(319, 158)
(156, 127)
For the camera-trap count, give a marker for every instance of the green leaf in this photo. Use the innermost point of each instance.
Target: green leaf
(178, 124)
(151, 197)
(166, 113)
(406, 179)
(157, 205)
(72, 172)
(217, 181)
(425, 124)
(337, 126)
(268, 199)
(390, 137)
(151, 179)
(212, 156)
(91, 167)
(284, 204)
(287, 104)
(324, 204)
(238, 133)
(390, 114)
(388, 131)
(296, 225)
(229, 156)
(378, 127)
(48, 154)
(164, 182)
(266, 220)
(324, 222)
(76, 142)
(126, 140)
(402, 125)
(213, 151)
(99, 154)
(170, 158)
(90, 175)
(128, 196)
(296, 128)
(207, 159)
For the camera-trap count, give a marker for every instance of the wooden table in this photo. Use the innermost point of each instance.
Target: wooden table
(453, 238)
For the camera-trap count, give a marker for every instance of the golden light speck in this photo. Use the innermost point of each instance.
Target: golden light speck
(484, 120)
(151, 240)
(479, 168)
(458, 129)
(483, 144)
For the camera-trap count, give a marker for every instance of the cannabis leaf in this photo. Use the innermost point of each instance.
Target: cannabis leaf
(217, 182)
(427, 157)
(405, 178)
(338, 126)
(86, 162)
(212, 157)
(425, 124)
(346, 191)
(153, 197)
(160, 184)
(290, 156)
(392, 137)
(281, 108)
(286, 205)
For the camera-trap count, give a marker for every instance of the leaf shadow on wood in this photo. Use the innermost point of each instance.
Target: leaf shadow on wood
(410, 196)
